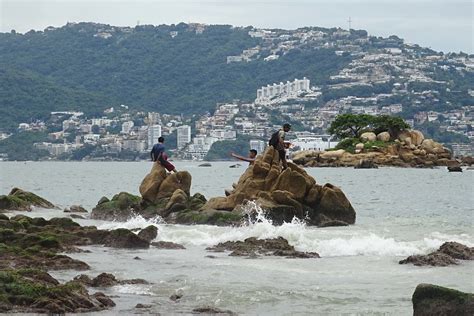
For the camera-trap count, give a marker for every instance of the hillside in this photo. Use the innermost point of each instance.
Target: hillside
(143, 67)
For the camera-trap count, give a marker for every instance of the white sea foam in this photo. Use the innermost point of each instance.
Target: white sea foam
(135, 222)
(133, 289)
(330, 242)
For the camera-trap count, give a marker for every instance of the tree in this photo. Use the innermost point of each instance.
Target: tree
(387, 123)
(350, 125)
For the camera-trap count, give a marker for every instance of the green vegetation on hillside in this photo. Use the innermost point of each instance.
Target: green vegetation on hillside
(73, 68)
(20, 146)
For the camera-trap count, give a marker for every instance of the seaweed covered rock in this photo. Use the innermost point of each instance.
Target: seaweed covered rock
(448, 254)
(35, 291)
(431, 300)
(35, 242)
(148, 233)
(120, 207)
(124, 238)
(19, 200)
(253, 247)
(285, 194)
(163, 194)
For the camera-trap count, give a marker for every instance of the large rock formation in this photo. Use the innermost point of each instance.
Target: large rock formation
(163, 194)
(431, 300)
(407, 149)
(285, 194)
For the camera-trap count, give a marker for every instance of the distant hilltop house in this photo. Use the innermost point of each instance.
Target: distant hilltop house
(288, 89)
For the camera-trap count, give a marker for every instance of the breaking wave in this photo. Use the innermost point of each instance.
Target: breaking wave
(331, 242)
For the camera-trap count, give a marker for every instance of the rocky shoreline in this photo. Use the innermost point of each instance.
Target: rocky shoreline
(27, 242)
(406, 149)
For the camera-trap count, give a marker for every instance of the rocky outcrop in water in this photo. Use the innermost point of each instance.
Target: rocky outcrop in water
(285, 194)
(407, 149)
(75, 209)
(167, 245)
(449, 253)
(429, 300)
(19, 200)
(163, 195)
(253, 248)
(282, 194)
(105, 280)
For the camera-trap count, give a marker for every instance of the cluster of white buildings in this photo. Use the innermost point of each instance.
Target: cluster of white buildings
(283, 90)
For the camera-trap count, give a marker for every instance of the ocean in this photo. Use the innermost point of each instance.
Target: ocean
(400, 212)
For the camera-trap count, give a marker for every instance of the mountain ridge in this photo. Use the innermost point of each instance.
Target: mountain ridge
(182, 68)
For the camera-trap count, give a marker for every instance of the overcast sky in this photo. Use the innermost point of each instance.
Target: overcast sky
(445, 25)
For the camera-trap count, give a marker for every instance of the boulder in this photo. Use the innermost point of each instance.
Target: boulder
(368, 137)
(75, 209)
(159, 184)
(431, 147)
(253, 247)
(121, 207)
(417, 137)
(457, 250)
(383, 136)
(359, 148)
(124, 238)
(333, 205)
(448, 254)
(149, 233)
(431, 300)
(20, 200)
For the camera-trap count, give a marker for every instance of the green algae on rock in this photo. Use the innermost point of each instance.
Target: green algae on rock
(20, 200)
(431, 300)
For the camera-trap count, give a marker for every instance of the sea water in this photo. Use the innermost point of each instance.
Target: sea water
(400, 212)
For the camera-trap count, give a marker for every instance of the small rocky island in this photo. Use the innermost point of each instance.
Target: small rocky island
(405, 148)
(282, 194)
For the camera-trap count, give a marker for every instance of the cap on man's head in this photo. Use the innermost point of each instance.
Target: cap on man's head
(286, 125)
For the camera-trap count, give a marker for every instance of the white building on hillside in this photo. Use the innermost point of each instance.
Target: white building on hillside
(154, 132)
(288, 89)
(183, 136)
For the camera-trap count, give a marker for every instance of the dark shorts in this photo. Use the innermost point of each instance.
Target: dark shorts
(282, 154)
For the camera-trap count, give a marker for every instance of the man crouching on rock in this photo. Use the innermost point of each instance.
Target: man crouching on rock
(278, 142)
(158, 154)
